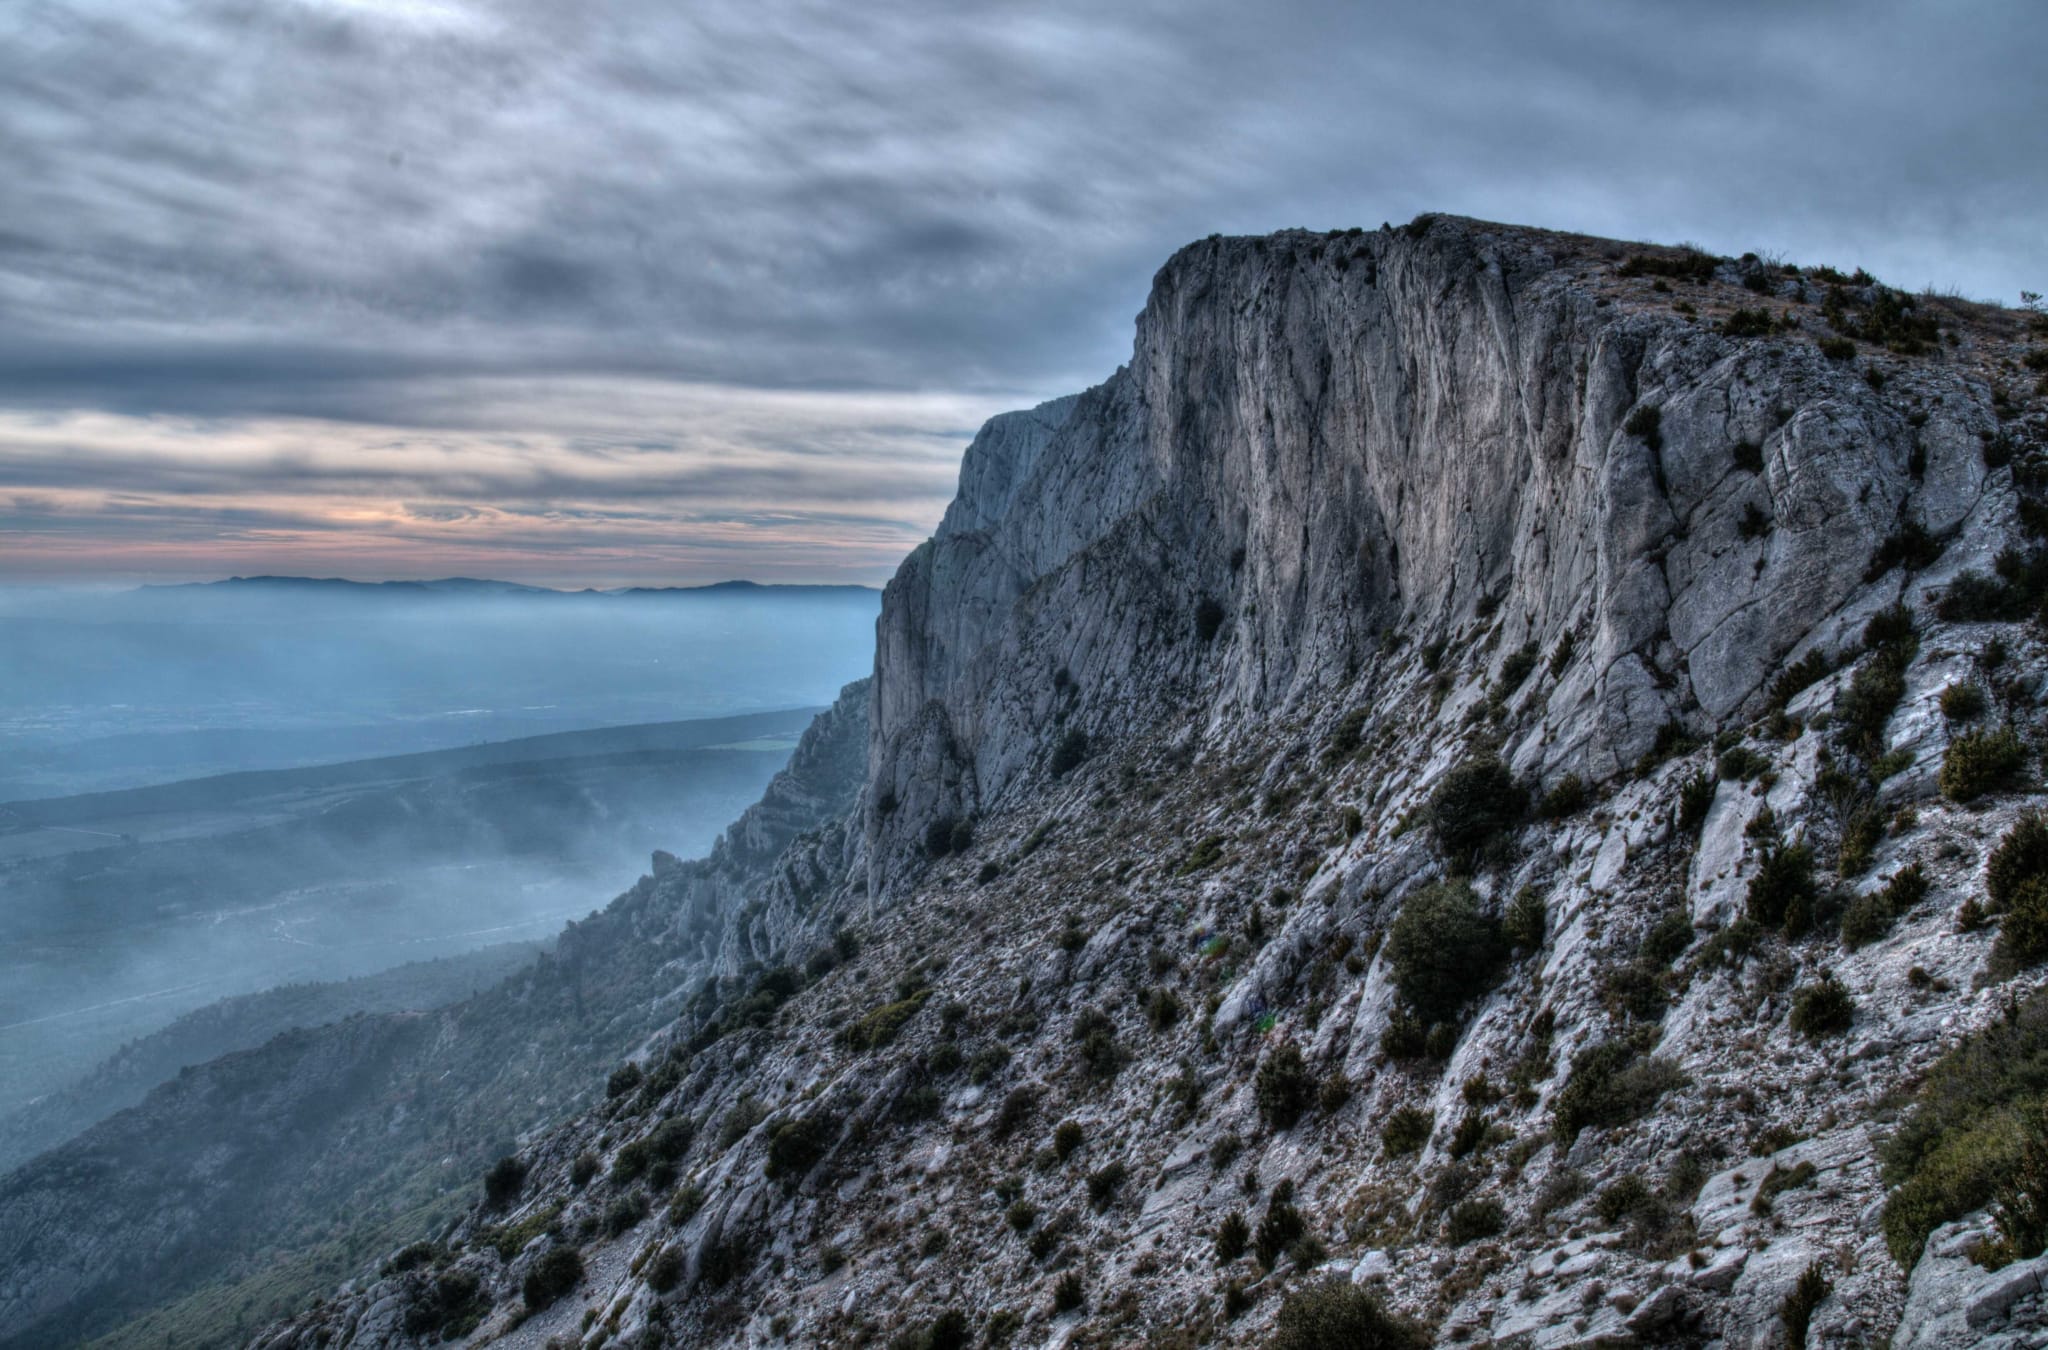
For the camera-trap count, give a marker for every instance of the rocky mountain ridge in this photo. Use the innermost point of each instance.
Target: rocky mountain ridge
(1457, 797)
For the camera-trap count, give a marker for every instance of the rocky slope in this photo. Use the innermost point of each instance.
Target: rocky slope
(1469, 770)
(252, 1161)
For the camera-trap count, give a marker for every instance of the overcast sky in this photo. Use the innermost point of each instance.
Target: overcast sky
(655, 291)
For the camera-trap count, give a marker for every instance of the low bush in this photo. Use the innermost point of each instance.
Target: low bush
(1520, 664)
(1067, 1137)
(1477, 802)
(1406, 1130)
(1472, 1220)
(1610, 1084)
(1233, 1235)
(1782, 894)
(558, 1271)
(796, 1146)
(1283, 1089)
(1981, 761)
(1566, 798)
(1524, 925)
(1796, 1310)
(1823, 1008)
(1335, 1312)
(1695, 799)
(2022, 929)
(1869, 917)
(1646, 424)
(1280, 1228)
(881, 1026)
(2021, 856)
(1105, 1181)
(1068, 754)
(1962, 702)
(1443, 950)
(1068, 1293)
(503, 1182)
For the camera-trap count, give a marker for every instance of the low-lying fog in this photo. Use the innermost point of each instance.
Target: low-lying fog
(375, 814)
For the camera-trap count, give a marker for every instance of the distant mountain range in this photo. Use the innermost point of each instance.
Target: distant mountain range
(487, 586)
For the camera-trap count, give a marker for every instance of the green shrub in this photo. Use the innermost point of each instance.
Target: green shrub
(2022, 929)
(1204, 854)
(1477, 802)
(1865, 707)
(1096, 1043)
(1068, 1294)
(1406, 1036)
(1781, 894)
(1869, 917)
(1748, 323)
(1524, 925)
(2021, 856)
(623, 1080)
(1566, 798)
(1345, 737)
(1472, 1220)
(1406, 1130)
(1336, 1313)
(1105, 1181)
(1981, 761)
(1068, 754)
(558, 1271)
(1066, 1138)
(1233, 1235)
(1739, 763)
(1668, 937)
(1284, 1089)
(1443, 951)
(1962, 702)
(1281, 1227)
(1838, 349)
(1695, 799)
(1823, 1008)
(950, 1330)
(880, 1027)
(583, 1169)
(1801, 675)
(503, 1182)
(796, 1146)
(1610, 1084)
(1908, 546)
(1468, 1135)
(624, 1212)
(1811, 1290)
(1622, 1198)
(684, 1204)
(1517, 668)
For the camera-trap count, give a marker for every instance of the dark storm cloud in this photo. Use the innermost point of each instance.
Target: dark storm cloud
(357, 210)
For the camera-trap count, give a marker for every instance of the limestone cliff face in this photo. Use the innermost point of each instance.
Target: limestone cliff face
(1341, 440)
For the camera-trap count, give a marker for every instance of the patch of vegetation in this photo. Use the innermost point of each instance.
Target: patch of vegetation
(1204, 854)
(1978, 762)
(1233, 1235)
(1962, 702)
(1689, 265)
(1611, 1083)
(1526, 922)
(1477, 802)
(1406, 1130)
(1068, 754)
(1566, 798)
(1748, 323)
(798, 1145)
(1068, 1293)
(1335, 1312)
(1096, 1043)
(1208, 619)
(1695, 799)
(1963, 1135)
(1823, 1008)
(1518, 667)
(504, 1182)
(1443, 950)
(559, 1270)
(1471, 1220)
(1776, 1182)
(1909, 546)
(1066, 1138)
(1279, 1228)
(1869, 917)
(881, 1026)
(1802, 674)
(1796, 1311)
(1284, 1089)
(1782, 893)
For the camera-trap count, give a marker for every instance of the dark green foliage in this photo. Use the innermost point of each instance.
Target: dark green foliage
(623, 1212)
(746, 1113)
(1695, 799)
(1468, 1134)
(1477, 801)
(1962, 702)
(1208, 619)
(1796, 1311)
(1068, 754)
(1068, 1293)
(1406, 1036)
(1518, 666)
(1978, 762)
(1472, 1220)
(1635, 989)
(1284, 1088)
(1748, 456)
(1104, 1182)
(950, 1330)
(796, 1146)
(1204, 854)
(1561, 654)
(1350, 821)
(2022, 929)
(1869, 917)
(1963, 1135)
(1668, 937)
(450, 1309)
(1838, 349)
(1610, 1084)
(1443, 950)
(1782, 893)
(1406, 1130)
(558, 1271)
(1021, 1215)
(1095, 1037)
(1776, 1182)
(684, 1204)
(1748, 323)
(1280, 1228)
(1800, 675)
(880, 1027)
(1233, 1235)
(1755, 522)
(623, 1080)
(1346, 735)
(1909, 546)
(1017, 1108)
(2020, 857)
(987, 1062)
(1646, 424)
(1335, 1313)
(1689, 265)
(1823, 1008)
(938, 836)
(2021, 1210)
(1524, 925)
(1567, 798)
(1739, 763)
(1066, 1138)
(1623, 1198)
(503, 1182)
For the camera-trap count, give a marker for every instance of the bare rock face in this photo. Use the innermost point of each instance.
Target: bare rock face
(1322, 442)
